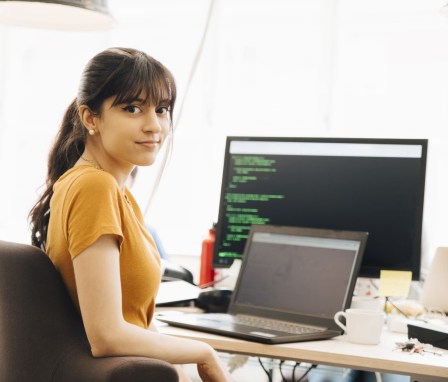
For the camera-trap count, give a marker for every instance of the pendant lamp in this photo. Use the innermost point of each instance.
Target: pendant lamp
(68, 15)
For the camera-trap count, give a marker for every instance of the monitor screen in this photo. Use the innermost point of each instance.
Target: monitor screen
(353, 184)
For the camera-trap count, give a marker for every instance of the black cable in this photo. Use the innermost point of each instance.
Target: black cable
(265, 370)
(294, 371)
(373, 284)
(306, 373)
(388, 300)
(281, 371)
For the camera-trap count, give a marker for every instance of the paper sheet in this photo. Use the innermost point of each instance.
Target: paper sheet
(176, 291)
(395, 283)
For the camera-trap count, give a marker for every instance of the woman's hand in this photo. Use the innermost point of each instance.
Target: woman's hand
(213, 370)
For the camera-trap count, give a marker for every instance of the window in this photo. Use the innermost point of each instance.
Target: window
(273, 67)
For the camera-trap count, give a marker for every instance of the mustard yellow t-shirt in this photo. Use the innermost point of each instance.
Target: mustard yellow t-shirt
(87, 203)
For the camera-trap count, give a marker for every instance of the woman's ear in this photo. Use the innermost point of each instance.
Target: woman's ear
(87, 117)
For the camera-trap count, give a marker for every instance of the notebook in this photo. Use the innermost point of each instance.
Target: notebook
(291, 283)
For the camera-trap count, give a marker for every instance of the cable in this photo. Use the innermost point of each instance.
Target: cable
(281, 371)
(306, 372)
(265, 370)
(181, 107)
(373, 284)
(195, 61)
(294, 371)
(388, 300)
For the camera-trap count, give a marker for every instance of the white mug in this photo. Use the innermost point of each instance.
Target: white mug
(363, 326)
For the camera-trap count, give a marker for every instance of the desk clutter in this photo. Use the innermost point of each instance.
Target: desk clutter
(411, 318)
(424, 320)
(415, 346)
(435, 335)
(421, 325)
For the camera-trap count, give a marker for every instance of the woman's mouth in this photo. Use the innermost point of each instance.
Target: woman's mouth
(149, 143)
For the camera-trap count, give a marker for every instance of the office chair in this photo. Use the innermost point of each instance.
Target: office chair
(42, 338)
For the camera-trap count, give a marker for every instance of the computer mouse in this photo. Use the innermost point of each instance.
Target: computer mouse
(214, 300)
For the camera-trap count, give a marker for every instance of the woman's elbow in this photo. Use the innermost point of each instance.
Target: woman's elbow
(104, 344)
(99, 350)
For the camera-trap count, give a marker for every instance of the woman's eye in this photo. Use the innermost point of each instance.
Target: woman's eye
(132, 109)
(163, 110)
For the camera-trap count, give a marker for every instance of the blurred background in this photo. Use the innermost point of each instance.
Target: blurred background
(318, 68)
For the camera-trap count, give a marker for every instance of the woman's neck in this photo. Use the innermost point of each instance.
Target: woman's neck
(119, 171)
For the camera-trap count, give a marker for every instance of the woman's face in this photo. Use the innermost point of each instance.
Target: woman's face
(135, 132)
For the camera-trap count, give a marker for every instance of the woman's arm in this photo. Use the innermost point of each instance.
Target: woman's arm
(183, 377)
(97, 274)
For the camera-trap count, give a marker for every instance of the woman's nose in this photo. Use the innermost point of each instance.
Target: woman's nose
(152, 122)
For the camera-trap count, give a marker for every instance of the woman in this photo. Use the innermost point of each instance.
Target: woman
(89, 223)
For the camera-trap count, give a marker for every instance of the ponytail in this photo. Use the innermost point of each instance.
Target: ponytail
(66, 150)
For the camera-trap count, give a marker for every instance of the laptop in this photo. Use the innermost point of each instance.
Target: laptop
(291, 283)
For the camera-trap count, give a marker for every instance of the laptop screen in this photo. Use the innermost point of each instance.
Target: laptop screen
(303, 275)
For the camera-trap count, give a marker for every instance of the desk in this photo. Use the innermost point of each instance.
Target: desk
(335, 352)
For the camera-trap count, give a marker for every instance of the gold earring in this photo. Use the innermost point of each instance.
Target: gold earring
(91, 132)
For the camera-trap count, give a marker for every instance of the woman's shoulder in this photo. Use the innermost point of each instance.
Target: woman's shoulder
(86, 177)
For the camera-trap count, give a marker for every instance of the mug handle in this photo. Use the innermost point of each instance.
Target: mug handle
(337, 317)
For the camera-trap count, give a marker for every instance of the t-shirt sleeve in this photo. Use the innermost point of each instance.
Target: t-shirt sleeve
(92, 209)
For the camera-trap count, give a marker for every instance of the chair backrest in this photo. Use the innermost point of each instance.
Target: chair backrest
(41, 333)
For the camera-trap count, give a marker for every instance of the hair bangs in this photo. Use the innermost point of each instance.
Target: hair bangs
(147, 82)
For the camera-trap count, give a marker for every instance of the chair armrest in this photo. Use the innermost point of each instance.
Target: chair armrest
(80, 366)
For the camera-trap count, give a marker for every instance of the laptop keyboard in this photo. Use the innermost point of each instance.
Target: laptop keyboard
(281, 326)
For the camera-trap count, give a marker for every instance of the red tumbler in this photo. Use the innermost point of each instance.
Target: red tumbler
(207, 273)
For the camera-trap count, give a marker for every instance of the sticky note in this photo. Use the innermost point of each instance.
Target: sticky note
(395, 283)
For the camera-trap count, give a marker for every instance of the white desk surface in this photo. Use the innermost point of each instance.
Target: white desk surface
(336, 352)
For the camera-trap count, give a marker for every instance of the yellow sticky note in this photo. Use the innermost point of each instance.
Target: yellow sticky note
(395, 283)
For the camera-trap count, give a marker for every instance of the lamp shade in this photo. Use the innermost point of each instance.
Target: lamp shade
(69, 15)
(434, 294)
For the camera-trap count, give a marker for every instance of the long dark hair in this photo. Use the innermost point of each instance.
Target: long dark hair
(122, 73)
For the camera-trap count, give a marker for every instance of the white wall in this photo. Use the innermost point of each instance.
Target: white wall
(333, 68)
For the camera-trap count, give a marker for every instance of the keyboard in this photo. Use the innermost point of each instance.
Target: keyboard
(281, 326)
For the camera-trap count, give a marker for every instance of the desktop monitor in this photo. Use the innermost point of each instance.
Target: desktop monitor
(352, 184)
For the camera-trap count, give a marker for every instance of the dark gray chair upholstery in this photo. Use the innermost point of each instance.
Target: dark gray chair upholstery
(42, 338)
